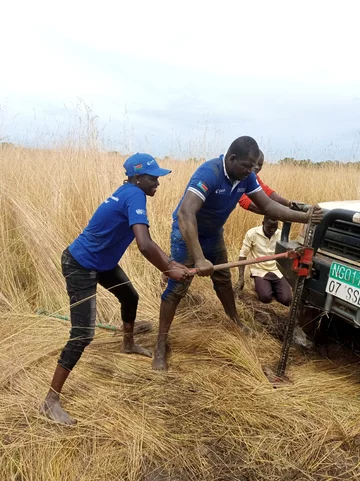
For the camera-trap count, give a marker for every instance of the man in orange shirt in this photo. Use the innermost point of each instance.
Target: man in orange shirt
(246, 203)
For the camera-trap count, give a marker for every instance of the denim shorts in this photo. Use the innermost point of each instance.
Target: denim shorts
(214, 250)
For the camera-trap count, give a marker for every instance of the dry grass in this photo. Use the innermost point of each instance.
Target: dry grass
(213, 416)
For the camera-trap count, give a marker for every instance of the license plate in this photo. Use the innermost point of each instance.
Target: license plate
(344, 282)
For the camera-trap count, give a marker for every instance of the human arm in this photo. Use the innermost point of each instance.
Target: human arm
(239, 286)
(276, 197)
(247, 204)
(244, 252)
(280, 200)
(274, 210)
(190, 205)
(152, 252)
(138, 222)
(299, 206)
(253, 208)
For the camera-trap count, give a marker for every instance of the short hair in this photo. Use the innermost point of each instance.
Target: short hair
(268, 219)
(243, 147)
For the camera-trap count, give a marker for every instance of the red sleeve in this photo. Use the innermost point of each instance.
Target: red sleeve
(245, 202)
(265, 187)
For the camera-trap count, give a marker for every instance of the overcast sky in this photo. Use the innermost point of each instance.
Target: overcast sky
(185, 78)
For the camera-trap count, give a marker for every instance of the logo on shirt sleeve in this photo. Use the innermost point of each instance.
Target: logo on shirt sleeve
(202, 186)
(113, 198)
(141, 211)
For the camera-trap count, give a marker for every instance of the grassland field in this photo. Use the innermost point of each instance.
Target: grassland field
(214, 415)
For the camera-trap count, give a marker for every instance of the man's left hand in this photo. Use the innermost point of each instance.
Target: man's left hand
(299, 206)
(315, 214)
(204, 267)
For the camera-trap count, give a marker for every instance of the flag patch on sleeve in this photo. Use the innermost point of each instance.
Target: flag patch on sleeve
(202, 186)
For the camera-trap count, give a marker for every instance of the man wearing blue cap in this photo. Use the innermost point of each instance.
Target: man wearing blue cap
(197, 234)
(93, 258)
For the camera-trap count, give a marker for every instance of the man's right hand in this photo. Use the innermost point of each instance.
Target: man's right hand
(204, 267)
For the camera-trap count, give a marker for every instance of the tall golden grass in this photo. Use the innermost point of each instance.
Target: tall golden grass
(213, 416)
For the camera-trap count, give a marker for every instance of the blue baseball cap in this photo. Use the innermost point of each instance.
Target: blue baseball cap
(143, 164)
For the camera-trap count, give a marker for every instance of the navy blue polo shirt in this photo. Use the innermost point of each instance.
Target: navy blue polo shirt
(220, 195)
(109, 232)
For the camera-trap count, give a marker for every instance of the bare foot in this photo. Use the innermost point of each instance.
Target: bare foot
(159, 362)
(51, 408)
(135, 349)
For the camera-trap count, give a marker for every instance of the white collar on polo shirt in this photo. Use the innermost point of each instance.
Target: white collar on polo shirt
(234, 182)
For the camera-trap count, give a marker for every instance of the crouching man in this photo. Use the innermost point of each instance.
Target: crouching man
(268, 280)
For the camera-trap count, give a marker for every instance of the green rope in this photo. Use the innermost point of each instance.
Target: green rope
(109, 327)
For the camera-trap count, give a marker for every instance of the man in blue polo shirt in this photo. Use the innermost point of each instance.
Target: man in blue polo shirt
(93, 258)
(197, 234)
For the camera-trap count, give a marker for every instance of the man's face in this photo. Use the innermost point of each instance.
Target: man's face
(270, 227)
(259, 164)
(240, 169)
(148, 184)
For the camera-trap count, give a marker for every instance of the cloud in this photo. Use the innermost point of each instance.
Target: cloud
(168, 74)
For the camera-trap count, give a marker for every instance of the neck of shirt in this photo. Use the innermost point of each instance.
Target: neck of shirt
(234, 183)
(263, 231)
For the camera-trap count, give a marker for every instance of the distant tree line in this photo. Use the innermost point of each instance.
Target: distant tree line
(310, 163)
(4, 145)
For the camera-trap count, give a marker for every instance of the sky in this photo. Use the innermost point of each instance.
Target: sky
(184, 78)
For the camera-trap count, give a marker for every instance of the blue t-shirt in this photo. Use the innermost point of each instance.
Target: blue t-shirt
(107, 236)
(220, 195)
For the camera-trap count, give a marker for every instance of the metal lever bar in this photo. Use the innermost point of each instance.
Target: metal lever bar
(257, 260)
